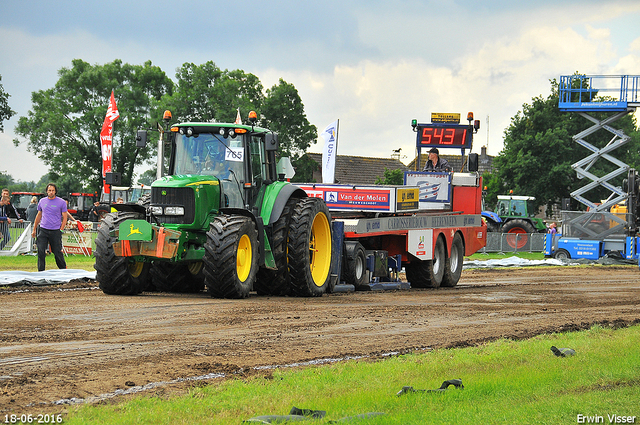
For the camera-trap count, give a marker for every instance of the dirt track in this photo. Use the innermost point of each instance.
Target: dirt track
(78, 344)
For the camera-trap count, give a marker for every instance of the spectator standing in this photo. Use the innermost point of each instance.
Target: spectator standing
(5, 221)
(52, 218)
(32, 209)
(13, 212)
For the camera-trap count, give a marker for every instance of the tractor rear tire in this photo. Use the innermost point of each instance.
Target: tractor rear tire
(309, 248)
(183, 278)
(231, 256)
(118, 275)
(521, 227)
(453, 264)
(276, 282)
(428, 273)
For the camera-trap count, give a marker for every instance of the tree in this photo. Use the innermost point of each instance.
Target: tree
(539, 151)
(206, 93)
(5, 180)
(304, 168)
(5, 111)
(63, 126)
(391, 177)
(283, 112)
(147, 177)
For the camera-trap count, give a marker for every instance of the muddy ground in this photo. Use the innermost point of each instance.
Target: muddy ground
(69, 344)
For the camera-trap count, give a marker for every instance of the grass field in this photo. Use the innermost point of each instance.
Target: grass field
(505, 382)
(28, 263)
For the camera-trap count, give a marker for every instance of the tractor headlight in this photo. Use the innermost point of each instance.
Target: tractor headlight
(174, 210)
(155, 210)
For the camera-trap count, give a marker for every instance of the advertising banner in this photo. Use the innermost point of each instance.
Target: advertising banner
(106, 135)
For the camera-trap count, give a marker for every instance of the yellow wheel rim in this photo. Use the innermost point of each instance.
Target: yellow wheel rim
(243, 258)
(320, 249)
(135, 268)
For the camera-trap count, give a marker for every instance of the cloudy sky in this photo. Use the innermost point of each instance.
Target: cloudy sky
(375, 65)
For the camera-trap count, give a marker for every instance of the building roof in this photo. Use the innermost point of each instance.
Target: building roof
(358, 170)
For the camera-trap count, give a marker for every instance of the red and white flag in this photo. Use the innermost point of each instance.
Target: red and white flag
(105, 139)
(238, 118)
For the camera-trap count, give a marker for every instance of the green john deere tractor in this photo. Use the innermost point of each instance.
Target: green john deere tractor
(514, 215)
(220, 219)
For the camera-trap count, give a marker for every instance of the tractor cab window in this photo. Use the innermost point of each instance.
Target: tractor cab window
(258, 161)
(213, 155)
(518, 208)
(210, 155)
(531, 209)
(258, 166)
(502, 208)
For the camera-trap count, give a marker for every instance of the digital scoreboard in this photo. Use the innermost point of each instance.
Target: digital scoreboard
(444, 136)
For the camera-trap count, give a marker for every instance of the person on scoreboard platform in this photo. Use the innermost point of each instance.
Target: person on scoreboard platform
(435, 163)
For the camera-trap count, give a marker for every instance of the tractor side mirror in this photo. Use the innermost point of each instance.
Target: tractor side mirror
(141, 139)
(271, 142)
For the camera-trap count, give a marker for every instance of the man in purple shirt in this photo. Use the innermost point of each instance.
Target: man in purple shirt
(52, 218)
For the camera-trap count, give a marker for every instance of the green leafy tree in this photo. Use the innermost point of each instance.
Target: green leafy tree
(63, 126)
(492, 187)
(539, 151)
(391, 177)
(283, 112)
(147, 177)
(5, 111)
(5, 181)
(304, 167)
(207, 93)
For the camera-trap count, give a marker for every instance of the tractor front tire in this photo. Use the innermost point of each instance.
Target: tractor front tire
(309, 248)
(118, 275)
(231, 257)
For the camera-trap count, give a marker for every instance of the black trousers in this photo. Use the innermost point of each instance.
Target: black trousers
(54, 238)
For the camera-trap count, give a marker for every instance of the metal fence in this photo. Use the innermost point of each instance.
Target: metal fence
(514, 242)
(15, 238)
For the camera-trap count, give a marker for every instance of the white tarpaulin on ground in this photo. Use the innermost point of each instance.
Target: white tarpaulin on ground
(47, 277)
(515, 262)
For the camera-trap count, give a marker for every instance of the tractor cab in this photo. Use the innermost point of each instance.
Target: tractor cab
(515, 206)
(236, 158)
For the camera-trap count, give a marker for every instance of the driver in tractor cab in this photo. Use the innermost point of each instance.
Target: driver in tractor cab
(216, 166)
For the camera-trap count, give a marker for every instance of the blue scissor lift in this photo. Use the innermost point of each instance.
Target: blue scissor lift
(599, 231)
